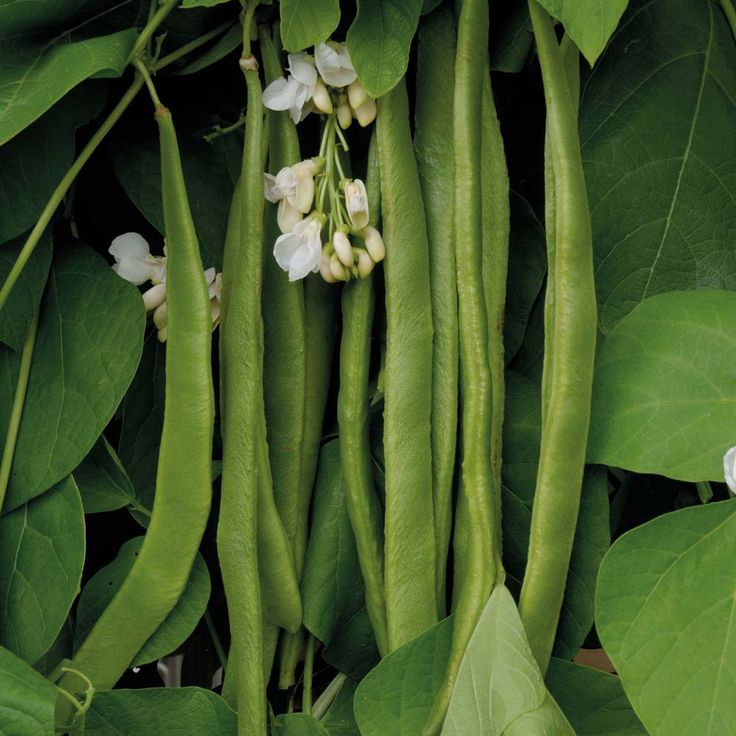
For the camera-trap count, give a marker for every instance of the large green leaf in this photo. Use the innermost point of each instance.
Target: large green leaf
(159, 711)
(593, 701)
(656, 125)
(27, 700)
(527, 268)
(42, 549)
(333, 594)
(379, 41)
(143, 420)
(666, 615)
(396, 696)
(664, 397)
(138, 167)
(499, 689)
(589, 23)
(306, 23)
(102, 481)
(298, 724)
(34, 162)
(522, 429)
(512, 39)
(340, 717)
(22, 305)
(178, 625)
(87, 349)
(35, 72)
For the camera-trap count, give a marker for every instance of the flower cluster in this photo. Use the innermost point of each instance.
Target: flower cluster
(324, 82)
(314, 196)
(134, 263)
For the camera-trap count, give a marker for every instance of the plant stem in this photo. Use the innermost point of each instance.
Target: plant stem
(58, 195)
(308, 672)
(16, 411)
(193, 45)
(150, 28)
(143, 71)
(730, 13)
(216, 642)
(327, 698)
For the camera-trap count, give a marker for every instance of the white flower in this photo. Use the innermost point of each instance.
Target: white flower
(154, 296)
(287, 216)
(133, 260)
(292, 93)
(365, 114)
(281, 186)
(343, 249)
(300, 251)
(356, 202)
(729, 469)
(374, 244)
(333, 63)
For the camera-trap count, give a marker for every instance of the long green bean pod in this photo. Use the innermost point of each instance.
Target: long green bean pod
(571, 62)
(241, 389)
(409, 548)
(475, 547)
(496, 218)
(565, 429)
(183, 480)
(358, 302)
(433, 146)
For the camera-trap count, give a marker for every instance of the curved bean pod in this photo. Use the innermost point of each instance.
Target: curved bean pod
(565, 430)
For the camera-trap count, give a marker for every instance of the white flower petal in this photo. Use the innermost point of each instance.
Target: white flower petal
(334, 65)
(129, 245)
(135, 270)
(287, 217)
(279, 95)
(154, 297)
(301, 67)
(729, 469)
(306, 260)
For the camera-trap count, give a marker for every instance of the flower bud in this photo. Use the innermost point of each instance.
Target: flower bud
(287, 216)
(160, 316)
(154, 297)
(356, 202)
(366, 113)
(321, 98)
(163, 334)
(356, 94)
(303, 196)
(344, 113)
(324, 269)
(338, 271)
(365, 264)
(374, 243)
(343, 249)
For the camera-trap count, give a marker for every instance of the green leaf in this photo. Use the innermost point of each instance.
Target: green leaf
(36, 72)
(203, 4)
(103, 483)
(499, 689)
(225, 45)
(590, 23)
(512, 38)
(87, 348)
(656, 124)
(35, 161)
(137, 164)
(42, 548)
(666, 614)
(379, 41)
(527, 268)
(298, 724)
(160, 711)
(178, 625)
(333, 593)
(22, 305)
(27, 700)
(664, 396)
(143, 420)
(522, 430)
(306, 23)
(339, 720)
(593, 701)
(396, 696)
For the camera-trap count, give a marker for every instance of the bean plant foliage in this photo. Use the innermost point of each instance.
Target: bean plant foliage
(367, 367)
